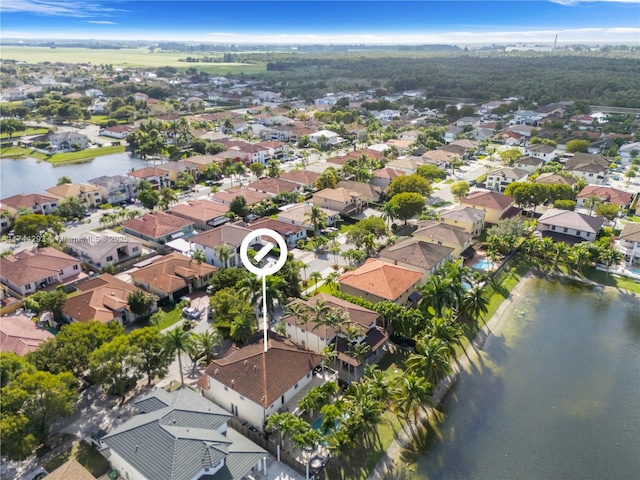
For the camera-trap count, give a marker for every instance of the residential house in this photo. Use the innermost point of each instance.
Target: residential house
(469, 219)
(495, 205)
(158, 228)
(181, 436)
(468, 122)
(383, 177)
(406, 165)
(99, 249)
(65, 141)
(252, 383)
(417, 254)
(36, 202)
(327, 136)
(274, 186)
(527, 117)
(174, 169)
(368, 193)
(20, 334)
(70, 470)
(605, 194)
(27, 271)
(450, 236)
(439, 158)
(378, 281)
(592, 168)
(299, 215)
(546, 153)
(250, 196)
(115, 188)
(204, 214)
(528, 164)
(172, 276)
(305, 332)
(411, 135)
(88, 194)
(290, 233)
(117, 131)
(497, 180)
(625, 151)
(104, 298)
(305, 178)
(511, 138)
(550, 178)
(158, 179)
(200, 163)
(342, 200)
(452, 132)
(563, 223)
(210, 241)
(629, 243)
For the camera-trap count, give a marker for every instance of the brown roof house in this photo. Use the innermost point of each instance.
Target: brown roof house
(29, 271)
(299, 215)
(378, 281)
(211, 241)
(383, 177)
(470, 219)
(250, 196)
(369, 193)
(172, 276)
(444, 234)
(158, 228)
(343, 200)
(629, 243)
(90, 195)
(274, 186)
(70, 470)
(592, 168)
(417, 254)
(36, 202)
(605, 194)
(252, 384)
(290, 233)
(495, 205)
(304, 331)
(550, 178)
(21, 335)
(204, 214)
(103, 298)
(304, 178)
(565, 223)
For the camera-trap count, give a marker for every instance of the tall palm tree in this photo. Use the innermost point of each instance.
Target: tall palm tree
(199, 256)
(223, 252)
(212, 171)
(206, 343)
(475, 304)
(317, 218)
(560, 252)
(167, 198)
(447, 331)
(315, 277)
(143, 184)
(179, 341)
(239, 170)
(412, 393)
(431, 359)
(251, 289)
(610, 257)
(273, 168)
(301, 312)
(242, 323)
(389, 212)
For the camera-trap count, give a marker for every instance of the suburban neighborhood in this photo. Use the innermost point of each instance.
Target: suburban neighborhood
(126, 303)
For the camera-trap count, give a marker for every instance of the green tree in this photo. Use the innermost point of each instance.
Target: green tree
(206, 344)
(149, 198)
(150, 354)
(227, 277)
(17, 442)
(239, 206)
(251, 290)
(565, 204)
(407, 205)
(460, 189)
(223, 252)
(574, 146)
(167, 198)
(608, 211)
(431, 360)
(411, 393)
(199, 256)
(510, 156)
(178, 341)
(48, 301)
(63, 180)
(36, 227)
(257, 169)
(409, 184)
(12, 365)
(140, 302)
(70, 208)
(112, 364)
(273, 168)
(328, 179)
(431, 172)
(11, 126)
(316, 218)
(242, 323)
(41, 398)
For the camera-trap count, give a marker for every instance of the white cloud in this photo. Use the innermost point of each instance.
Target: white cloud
(59, 8)
(101, 22)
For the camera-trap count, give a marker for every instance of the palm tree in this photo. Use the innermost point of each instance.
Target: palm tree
(560, 252)
(273, 168)
(239, 170)
(315, 277)
(212, 171)
(591, 202)
(411, 393)
(301, 312)
(389, 213)
(580, 256)
(257, 169)
(431, 359)
(251, 289)
(475, 304)
(317, 218)
(223, 252)
(610, 257)
(167, 198)
(447, 331)
(199, 256)
(179, 341)
(206, 343)
(143, 184)
(242, 324)
(331, 280)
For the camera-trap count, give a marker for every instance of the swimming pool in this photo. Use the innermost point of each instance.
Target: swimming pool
(483, 264)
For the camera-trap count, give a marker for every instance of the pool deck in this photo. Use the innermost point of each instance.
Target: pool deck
(477, 257)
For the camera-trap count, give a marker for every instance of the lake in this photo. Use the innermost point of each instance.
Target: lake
(30, 175)
(554, 396)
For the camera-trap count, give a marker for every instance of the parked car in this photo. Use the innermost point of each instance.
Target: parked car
(472, 183)
(191, 313)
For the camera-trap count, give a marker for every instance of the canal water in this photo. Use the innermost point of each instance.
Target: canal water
(555, 396)
(29, 175)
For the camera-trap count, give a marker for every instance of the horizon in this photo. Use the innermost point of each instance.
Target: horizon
(311, 22)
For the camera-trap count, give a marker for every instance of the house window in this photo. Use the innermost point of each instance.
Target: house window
(588, 234)
(226, 389)
(110, 258)
(566, 229)
(295, 386)
(553, 227)
(578, 232)
(61, 272)
(76, 267)
(134, 249)
(27, 286)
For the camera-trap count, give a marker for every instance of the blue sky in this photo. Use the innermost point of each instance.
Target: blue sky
(326, 21)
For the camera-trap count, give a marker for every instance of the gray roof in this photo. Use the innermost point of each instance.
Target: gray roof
(109, 181)
(465, 214)
(631, 232)
(416, 253)
(181, 434)
(508, 172)
(573, 220)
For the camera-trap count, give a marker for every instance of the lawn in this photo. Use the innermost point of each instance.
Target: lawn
(83, 155)
(123, 57)
(20, 152)
(616, 281)
(171, 317)
(85, 455)
(25, 133)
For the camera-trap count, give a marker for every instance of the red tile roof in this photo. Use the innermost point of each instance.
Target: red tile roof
(31, 266)
(606, 194)
(492, 200)
(381, 279)
(102, 298)
(20, 335)
(169, 273)
(157, 225)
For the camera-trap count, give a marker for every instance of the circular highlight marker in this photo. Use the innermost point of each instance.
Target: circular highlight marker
(263, 271)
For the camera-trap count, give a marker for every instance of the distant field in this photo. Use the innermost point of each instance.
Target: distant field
(125, 57)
